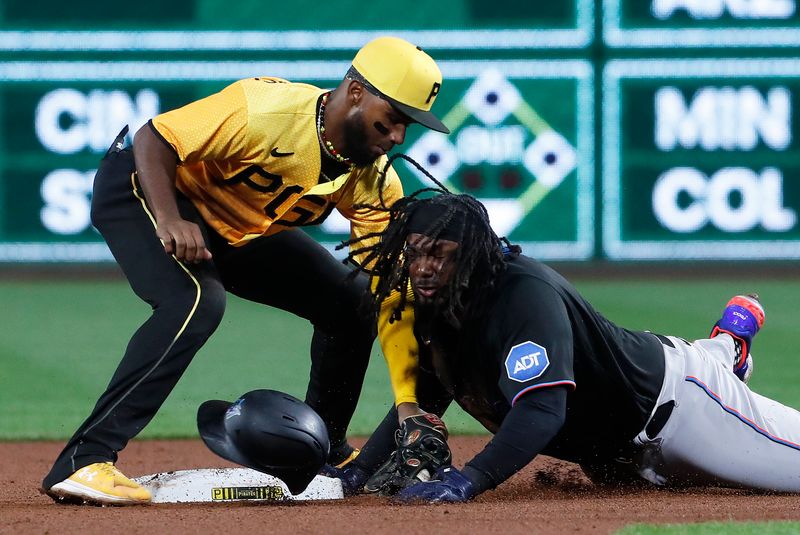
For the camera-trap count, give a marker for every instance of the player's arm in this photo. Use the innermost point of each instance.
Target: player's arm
(527, 429)
(530, 425)
(400, 348)
(155, 168)
(187, 135)
(533, 314)
(401, 351)
(533, 322)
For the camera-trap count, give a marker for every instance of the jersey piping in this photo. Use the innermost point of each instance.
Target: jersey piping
(739, 416)
(169, 347)
(565, 382)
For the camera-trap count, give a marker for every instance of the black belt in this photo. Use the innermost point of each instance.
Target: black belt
(659, 419)
(119, 141)
(663, 411)
(667, 342)
(664, 340)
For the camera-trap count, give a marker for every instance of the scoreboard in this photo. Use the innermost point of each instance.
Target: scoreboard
(627, 129)
(699, 151)
(714, 159)
(692, 24)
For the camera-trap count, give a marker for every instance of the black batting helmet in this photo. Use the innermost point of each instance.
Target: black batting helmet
(268, 431)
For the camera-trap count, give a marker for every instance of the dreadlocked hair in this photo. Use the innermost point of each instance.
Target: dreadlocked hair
(478, 260)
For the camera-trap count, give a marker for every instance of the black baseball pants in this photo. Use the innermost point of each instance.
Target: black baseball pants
(288, 270)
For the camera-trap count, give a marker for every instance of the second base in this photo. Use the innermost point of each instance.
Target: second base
(232, 484)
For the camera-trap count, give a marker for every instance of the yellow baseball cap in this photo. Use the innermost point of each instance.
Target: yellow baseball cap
(404, 75)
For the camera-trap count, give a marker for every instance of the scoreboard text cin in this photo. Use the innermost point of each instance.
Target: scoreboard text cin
(69, 122)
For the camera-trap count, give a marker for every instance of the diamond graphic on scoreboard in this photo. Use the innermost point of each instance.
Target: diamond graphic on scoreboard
(511, 160)
(550, 158)
(505, 214)
(436, 154)
(492, 98)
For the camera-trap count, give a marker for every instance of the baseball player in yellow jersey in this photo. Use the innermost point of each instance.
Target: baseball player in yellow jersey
(206, 202)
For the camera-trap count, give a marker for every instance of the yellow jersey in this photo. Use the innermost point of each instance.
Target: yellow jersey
(249, 159)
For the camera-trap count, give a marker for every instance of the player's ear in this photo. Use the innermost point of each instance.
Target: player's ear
(355, 92)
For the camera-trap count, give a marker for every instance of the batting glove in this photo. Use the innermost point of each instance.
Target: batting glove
(450, 486)
(352, 477)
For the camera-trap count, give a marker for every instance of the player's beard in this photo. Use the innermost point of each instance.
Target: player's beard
(428, 312)
(424, 320)
(431, 323)
(355, 140)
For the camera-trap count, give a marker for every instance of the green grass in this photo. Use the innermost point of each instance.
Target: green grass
(713, 528)
(62, 340)
(688, 308)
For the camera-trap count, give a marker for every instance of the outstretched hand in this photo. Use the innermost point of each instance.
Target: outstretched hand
(448, 486)
(183, 239)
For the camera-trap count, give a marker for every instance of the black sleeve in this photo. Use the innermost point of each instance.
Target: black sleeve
(528, 427)
(530, 335)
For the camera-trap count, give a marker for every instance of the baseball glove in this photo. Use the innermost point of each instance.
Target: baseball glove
(421, 450)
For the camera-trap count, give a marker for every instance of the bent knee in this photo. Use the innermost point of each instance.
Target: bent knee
(199, 310)
(211, 306)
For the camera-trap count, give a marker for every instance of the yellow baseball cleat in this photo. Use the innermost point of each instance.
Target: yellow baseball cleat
(99, 484)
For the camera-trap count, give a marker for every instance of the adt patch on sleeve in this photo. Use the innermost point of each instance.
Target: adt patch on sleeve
(526, 361)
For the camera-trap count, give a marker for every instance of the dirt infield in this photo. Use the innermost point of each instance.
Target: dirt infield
(547, 497)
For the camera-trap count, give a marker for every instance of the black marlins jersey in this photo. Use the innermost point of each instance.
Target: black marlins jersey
(538, 332)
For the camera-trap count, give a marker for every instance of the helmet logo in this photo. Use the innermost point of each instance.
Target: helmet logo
(235, 409)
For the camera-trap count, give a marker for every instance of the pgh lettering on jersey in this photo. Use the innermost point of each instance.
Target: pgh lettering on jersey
(249, 157)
